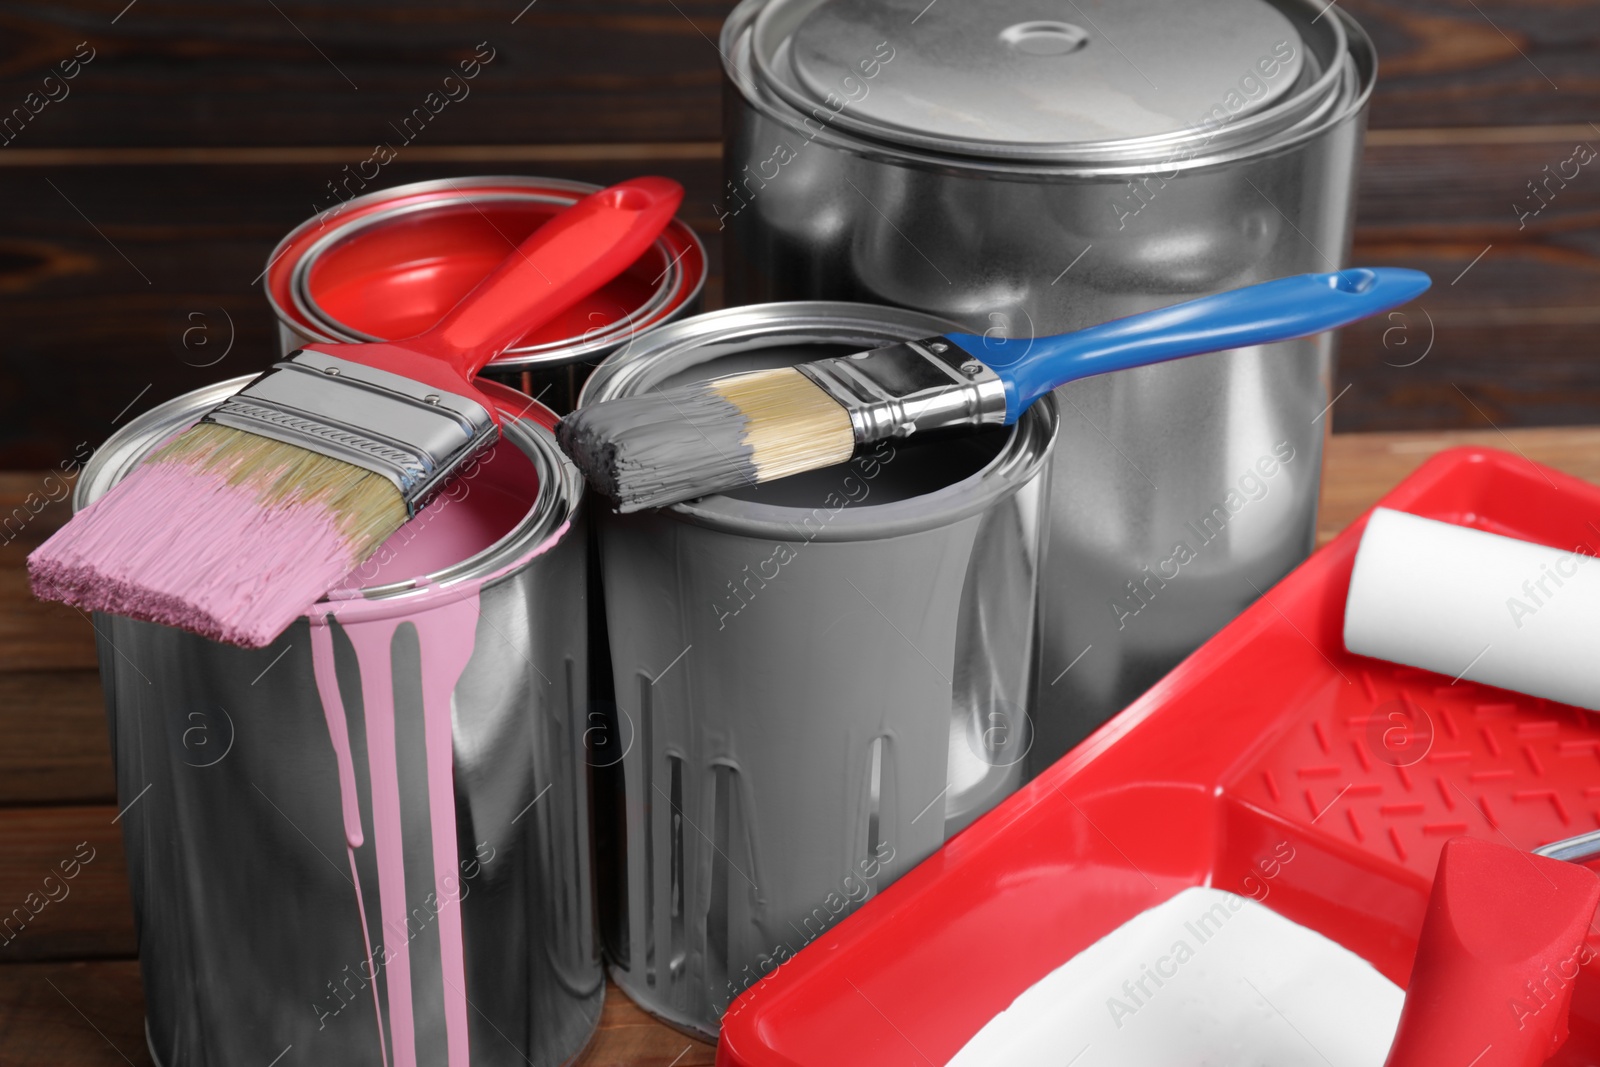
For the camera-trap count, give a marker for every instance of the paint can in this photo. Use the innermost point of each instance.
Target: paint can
(1032, 174)
(818, 680)
(368, 843)
(390, 263)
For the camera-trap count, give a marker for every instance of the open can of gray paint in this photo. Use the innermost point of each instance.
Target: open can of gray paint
(818, 680)
(1034, 169)
(457, 926)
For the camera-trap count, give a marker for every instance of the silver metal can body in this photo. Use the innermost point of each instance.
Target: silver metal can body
(263, 932)
(1141, 565)
(818, 680)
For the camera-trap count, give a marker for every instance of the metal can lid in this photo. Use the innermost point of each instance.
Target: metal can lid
(1021, 78)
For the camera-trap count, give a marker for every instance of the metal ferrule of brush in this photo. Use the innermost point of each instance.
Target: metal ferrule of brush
(910, 388)
(409, 433)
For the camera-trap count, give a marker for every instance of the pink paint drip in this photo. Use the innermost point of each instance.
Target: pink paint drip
(366, 942)
(338, 732)
(322, 663)
(446, 637)
(446, 621)
(372, 645)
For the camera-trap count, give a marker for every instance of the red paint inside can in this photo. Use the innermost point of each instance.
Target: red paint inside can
(398, 279)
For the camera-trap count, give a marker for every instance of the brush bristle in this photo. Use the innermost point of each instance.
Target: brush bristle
(679, 444)
(221, 532)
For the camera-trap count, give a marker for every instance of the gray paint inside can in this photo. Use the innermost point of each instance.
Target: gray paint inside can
(824, 676)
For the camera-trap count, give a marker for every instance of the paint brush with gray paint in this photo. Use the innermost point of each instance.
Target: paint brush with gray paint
(744, 429)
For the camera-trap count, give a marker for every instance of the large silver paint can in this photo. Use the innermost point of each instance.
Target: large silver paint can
(818, 680)
(364, 888)
(1031, 169)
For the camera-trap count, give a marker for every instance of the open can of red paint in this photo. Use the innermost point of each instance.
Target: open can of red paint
(368, 843)
(389, 264)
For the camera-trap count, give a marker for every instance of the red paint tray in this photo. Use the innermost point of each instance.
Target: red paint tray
(1270, 733)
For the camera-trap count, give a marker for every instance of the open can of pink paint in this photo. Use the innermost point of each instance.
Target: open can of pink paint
(390, 263)
(368, 844)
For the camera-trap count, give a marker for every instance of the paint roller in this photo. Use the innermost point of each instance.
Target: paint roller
(1501, 947)
(1473, 605)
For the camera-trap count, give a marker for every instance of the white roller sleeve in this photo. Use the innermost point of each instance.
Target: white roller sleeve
(1486, 608)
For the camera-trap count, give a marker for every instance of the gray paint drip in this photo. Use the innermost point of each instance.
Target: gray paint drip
(645, 452)
(812, 668)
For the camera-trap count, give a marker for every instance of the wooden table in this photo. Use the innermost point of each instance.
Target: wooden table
(69, 984)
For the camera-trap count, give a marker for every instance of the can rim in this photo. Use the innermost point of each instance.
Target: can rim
(673, 348)
(1353, 73)
(777, 20)
(679, 245)
(555, 504)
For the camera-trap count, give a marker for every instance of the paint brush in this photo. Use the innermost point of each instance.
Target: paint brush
(235, 527)
(751, 428)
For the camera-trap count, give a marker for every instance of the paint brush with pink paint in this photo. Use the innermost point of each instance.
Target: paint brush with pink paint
(235, 527)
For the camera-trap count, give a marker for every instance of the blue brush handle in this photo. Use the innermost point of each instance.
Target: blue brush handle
(1255, 315)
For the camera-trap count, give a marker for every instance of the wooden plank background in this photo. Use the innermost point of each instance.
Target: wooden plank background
(137, 210)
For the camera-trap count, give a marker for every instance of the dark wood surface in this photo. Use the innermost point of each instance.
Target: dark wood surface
(136, 212)
(138, 306)
(296, 73)
(69, 986)
(582, 72)
(142, 304)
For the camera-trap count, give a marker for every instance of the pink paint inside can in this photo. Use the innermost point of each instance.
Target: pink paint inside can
(479, 507)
